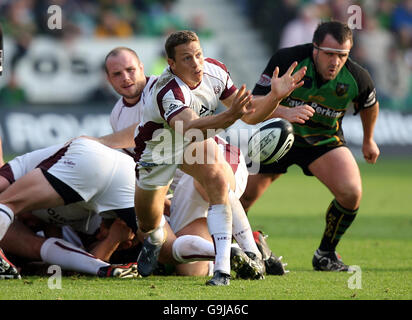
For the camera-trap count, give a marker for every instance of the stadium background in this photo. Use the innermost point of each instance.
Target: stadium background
(53, 86)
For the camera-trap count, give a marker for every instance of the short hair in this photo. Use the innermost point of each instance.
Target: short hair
(178, 38)
(338, 30)
(114, 52)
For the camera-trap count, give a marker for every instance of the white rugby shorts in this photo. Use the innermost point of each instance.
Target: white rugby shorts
(188, 205)
(103, 177)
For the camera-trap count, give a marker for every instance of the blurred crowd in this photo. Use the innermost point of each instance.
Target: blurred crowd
(383, 44)
(24, 20)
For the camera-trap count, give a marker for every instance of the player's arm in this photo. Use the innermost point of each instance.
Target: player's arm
(118, 140)
(369, 117)
(280, 88)
(187, 119)
(119, 234)
(367, 105)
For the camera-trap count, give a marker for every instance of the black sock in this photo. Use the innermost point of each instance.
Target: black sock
(338, 220)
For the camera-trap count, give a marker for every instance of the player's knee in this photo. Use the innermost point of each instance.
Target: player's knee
(350, 196)
(216, 180)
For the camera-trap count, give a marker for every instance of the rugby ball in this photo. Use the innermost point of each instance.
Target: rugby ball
(271, 141)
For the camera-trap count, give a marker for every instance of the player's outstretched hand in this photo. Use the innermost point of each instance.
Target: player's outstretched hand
(283, 86)
(241, 104)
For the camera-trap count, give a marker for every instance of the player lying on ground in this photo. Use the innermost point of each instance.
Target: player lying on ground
(188, 213)
(83, 216)
(86, 190)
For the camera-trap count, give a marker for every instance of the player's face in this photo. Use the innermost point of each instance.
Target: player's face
(188, 63)
(126, 75)
(329, 62)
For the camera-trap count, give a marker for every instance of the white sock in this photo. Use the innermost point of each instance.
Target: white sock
(69, 257)
(242, 232)
(219, 222)
(157, 236)
(190, 248)
(6, 219)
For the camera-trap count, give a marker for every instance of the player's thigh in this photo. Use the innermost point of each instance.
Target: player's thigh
(22, 241)
(4, 184)
(197, 227)
(212, 170)
(338, 170)
(31, 192)
(195, 269)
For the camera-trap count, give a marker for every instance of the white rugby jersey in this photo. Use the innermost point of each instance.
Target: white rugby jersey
(125, 114)
(171, 95)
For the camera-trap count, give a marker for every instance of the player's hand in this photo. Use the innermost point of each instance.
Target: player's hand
(299, 114)
(370, 151)
(283, 86)
(241, 104)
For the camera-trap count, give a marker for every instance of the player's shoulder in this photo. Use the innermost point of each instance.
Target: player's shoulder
(360, 74)
(215, 64)
(295, 53)
(170, 86)
(150, 82)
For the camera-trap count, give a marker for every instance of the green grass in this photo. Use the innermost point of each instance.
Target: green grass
(292, 213)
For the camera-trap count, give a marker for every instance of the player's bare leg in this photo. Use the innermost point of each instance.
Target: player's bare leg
(339, 172)
(211, 175)
(149, 205)
(23, 242)
(28, 193)
(4, 184)
(165, 255)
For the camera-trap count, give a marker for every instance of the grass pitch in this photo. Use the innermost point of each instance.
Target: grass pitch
(292, 213)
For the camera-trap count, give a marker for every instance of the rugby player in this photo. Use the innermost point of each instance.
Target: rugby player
(78, 180)
(333, 81)
(125, 73)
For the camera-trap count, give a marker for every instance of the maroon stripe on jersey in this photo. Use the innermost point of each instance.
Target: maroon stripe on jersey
(61, 245)
(227, 92)
(217, 63)
(154, 81)
(50, 161)
(129, 105)
(7, 173)
(177, 92)
(232, 153)
(145, 134)
(198, 256)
